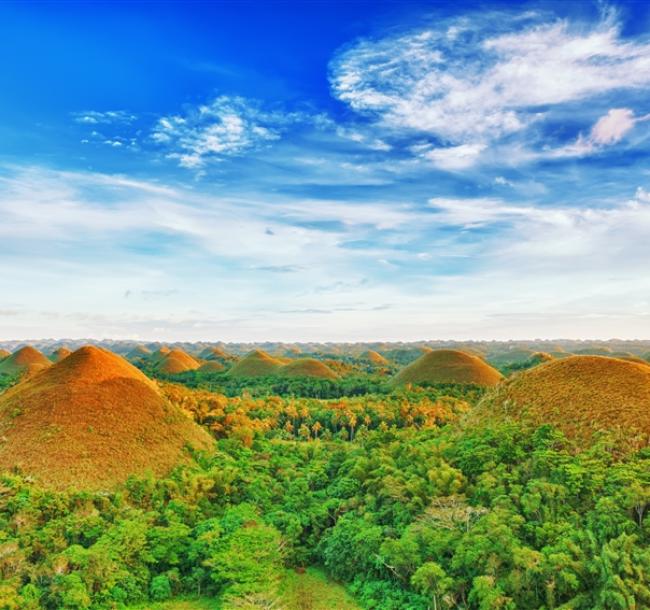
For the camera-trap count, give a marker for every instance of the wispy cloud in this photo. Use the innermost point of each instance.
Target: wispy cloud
(472, 82)
(95, 117)
(226, 126)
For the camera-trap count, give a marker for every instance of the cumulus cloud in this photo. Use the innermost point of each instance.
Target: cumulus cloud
(227, 126)
(473, 82)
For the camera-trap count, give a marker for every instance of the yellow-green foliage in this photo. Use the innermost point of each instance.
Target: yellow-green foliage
(448, 366)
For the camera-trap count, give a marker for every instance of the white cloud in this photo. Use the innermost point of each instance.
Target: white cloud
(608, 130)
(470, 84)
(94, 117)
(226, 126)
(454, 157)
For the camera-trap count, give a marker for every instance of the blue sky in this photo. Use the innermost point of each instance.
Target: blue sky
(324, 171)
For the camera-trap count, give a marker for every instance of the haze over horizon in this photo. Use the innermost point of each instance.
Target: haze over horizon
(313, 172)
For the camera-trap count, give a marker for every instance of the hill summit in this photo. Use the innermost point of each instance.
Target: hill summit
(448, 366)
(90, 421)
(579, 395)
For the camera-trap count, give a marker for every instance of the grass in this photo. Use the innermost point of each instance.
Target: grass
(580, 395)
(448, 366)
(311, 590)
(90, 421)
(307, 367)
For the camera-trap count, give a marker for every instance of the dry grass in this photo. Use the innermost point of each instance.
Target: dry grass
(375, 358)
(4, 353)
(90, 421)
(60, 354)
(448, 366)
(307, 367)
(211, 366)
(177, 361)
(26, 362)
(256, 364)
(580, 395)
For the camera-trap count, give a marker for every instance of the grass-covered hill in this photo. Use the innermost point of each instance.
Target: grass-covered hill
(448, 366)
(60, 353)
(90, 421)
(176, 361)
(306, 367)
(25, 362)
(580, 395)
(256, 364)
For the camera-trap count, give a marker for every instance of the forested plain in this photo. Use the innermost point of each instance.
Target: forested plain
(393, 494)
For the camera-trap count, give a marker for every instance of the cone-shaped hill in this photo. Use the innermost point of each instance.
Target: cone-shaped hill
(90, 421)
(448, 366)
(579, 395)
(307, 367)
(4, 353)
(211, 366)
(139, 352)
(256, 364)
(177, 361)
(60, 354)
(159, 354)
(216, 353)
(24, 363)
(374, 358)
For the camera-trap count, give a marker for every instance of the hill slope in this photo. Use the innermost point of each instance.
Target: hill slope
(256, 364)
(25, 362)
(177, 361)
(307, 367)
(90, 421)
(448, 366)
(60, 354)
(374, 358)
(579, 395)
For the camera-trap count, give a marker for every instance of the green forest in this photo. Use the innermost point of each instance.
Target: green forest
(385, 494)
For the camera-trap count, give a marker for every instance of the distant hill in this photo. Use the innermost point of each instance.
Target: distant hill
(25, 362)
(256, 364)
(139, 352)
(211, 366)
(448, 366)
(374, 358)
(177, 361)
(90, 421)
(579, 395)
(4, 353)
(307, 367)
(60, 354)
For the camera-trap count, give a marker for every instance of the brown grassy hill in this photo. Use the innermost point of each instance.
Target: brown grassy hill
(256, 364)
(448, 366)
(579, 395)
(216, 353)
(139, 352)
(60, 354)
(307, 367)
(177, 361)
(25, 362)
(211, 366)
(375, 358)
(90, 421)
(159, 354)
(4, 353)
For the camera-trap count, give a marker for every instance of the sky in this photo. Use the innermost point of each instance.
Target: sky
(324, 171)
